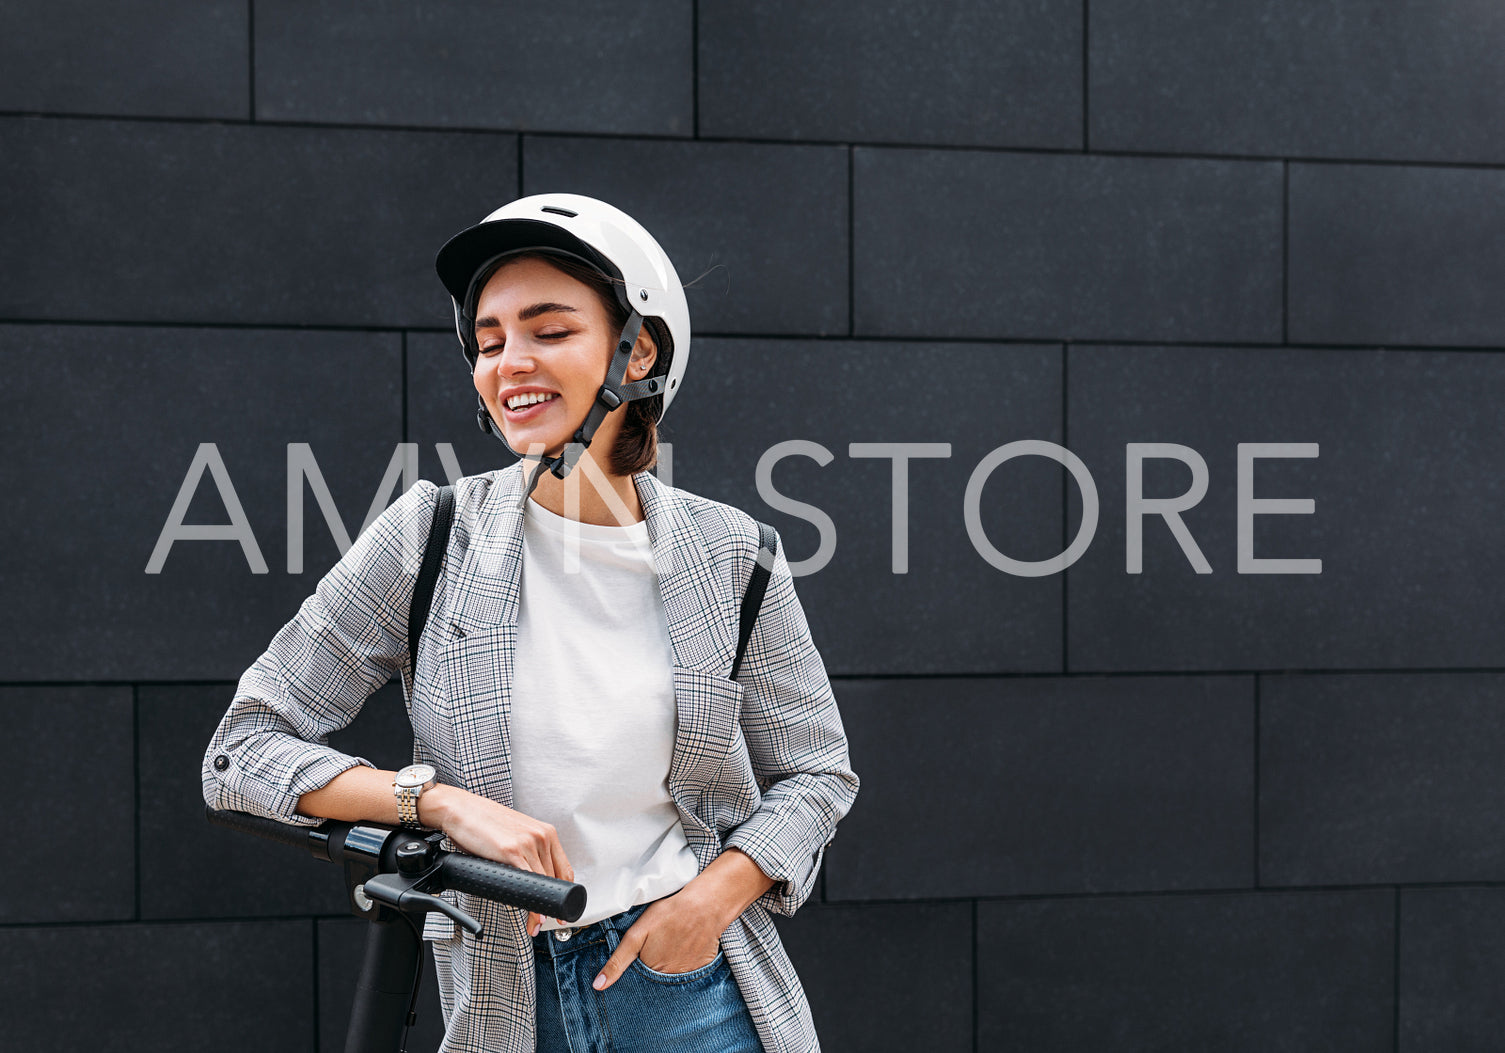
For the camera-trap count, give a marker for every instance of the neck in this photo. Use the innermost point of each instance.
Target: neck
(589, 494)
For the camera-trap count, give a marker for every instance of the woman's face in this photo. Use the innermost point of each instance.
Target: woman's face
(545, 335)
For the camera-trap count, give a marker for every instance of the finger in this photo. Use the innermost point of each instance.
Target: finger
(620, 958)
(550, 851)
(530, 863)
(561, 863)
(528, 859)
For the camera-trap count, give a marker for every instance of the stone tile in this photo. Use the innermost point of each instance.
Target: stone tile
(1381, 778)
(1361, 79)
(1263, 973)
(997, 74)
(1033, 785)
(89, 823)
(1451, 979)
(157, 221)
(226, 986)
(885, 976)
(156, 58)
(1403, 521)
(1385, 254)
(105, 424)
(955, 243)
(576, 66)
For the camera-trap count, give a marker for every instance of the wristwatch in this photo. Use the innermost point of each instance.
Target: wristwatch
(408, 786)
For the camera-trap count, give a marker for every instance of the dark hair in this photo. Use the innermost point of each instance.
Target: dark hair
(637, 443)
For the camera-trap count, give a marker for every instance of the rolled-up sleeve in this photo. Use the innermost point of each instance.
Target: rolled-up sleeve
(348, 639)
(797, 745)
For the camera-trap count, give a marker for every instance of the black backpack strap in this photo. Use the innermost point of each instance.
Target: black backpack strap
(423, 588)
(752, 602)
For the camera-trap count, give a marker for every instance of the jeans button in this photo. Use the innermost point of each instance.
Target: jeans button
(561, 934)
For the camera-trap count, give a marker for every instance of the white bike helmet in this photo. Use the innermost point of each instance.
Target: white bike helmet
(610, 241)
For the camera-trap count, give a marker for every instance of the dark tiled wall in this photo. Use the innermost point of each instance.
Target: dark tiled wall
(1160, 800)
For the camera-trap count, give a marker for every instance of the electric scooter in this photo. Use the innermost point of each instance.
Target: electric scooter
(391, 874)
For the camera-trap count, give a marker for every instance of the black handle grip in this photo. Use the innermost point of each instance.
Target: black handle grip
(550, 897)
(271, 829)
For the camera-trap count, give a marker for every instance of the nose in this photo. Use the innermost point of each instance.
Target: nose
(514, 358)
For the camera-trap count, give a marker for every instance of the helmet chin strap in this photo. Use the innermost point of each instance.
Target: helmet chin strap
(611, 394)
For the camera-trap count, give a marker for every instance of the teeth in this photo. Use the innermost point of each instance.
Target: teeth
(519, 401)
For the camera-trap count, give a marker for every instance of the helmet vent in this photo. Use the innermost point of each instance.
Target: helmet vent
(560, 211)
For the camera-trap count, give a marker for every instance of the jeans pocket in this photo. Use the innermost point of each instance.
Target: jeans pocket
(680, 978)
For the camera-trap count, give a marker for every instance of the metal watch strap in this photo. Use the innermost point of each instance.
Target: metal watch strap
(407, 807)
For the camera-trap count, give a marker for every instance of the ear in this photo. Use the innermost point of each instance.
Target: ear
(644, 354)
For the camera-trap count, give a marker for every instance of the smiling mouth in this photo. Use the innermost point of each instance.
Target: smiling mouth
(522, 403)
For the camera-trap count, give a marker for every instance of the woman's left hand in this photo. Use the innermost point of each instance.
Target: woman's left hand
(676, 934)
(682, 932)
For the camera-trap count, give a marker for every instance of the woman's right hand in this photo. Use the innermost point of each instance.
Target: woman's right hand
(485, 828)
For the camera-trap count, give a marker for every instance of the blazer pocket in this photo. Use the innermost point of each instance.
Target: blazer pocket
(710, 765)
(707, 710)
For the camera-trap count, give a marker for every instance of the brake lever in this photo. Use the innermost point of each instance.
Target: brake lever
(409, 889)
(406, 893)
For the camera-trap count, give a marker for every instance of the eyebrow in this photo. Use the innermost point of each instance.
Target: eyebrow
(531, 311)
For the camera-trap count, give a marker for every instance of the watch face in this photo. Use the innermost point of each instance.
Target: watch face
(415, 775)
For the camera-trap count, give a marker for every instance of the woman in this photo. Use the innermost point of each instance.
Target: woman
(572, 689)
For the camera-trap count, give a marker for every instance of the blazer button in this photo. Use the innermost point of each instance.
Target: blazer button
(221, 762)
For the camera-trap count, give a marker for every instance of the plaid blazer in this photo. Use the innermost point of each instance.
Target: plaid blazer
(759, 763)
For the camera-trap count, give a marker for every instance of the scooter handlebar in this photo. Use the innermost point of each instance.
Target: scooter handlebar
(271, 829)
(550, 897)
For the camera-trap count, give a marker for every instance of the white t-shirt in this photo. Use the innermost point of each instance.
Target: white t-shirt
(593, 712)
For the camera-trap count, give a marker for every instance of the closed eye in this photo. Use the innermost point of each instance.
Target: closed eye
(542, 336)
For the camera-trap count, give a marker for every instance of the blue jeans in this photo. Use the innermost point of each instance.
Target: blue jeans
(644, 1011)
